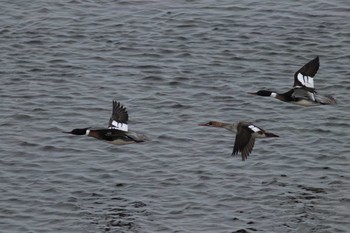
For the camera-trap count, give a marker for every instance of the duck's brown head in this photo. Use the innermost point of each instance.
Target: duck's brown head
(212, 124)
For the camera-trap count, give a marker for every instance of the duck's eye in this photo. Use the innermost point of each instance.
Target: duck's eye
(210, 123)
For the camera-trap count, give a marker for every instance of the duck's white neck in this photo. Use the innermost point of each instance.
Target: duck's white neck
(273, 94)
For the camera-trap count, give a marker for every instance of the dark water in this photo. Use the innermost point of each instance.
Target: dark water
(173, 65)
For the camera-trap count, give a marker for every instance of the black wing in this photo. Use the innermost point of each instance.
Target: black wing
(244, 142)
(119, 115)
(304, 76)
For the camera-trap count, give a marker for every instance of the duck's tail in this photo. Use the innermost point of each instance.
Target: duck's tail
(325, 100)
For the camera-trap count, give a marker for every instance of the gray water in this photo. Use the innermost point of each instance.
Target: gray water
(173, 64)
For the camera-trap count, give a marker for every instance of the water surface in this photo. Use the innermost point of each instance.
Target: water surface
(173, 65)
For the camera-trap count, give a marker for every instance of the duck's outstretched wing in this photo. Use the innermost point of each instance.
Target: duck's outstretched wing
(244, 141)
(119, 118)
(304, 76)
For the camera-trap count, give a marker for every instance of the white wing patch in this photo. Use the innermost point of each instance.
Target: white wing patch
(119, 126)
(306, 80)
(254, 128)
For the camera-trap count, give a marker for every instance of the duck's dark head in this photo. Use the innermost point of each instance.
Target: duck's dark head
(84, 131)
(261, 93)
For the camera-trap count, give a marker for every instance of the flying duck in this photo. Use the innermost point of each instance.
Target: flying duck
(303, 92)
(246, 133)
(117, 131)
